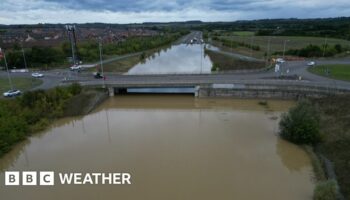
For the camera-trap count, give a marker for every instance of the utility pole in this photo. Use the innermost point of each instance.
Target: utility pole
(284, 47)
(24, 58)
(324, 46)
(268, 50)
(101, 62)
(73, 41)
(201, 58)
(251, 46)
(7, 69)
(233, 61)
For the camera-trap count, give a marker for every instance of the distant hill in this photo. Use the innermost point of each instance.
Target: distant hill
(320, 27)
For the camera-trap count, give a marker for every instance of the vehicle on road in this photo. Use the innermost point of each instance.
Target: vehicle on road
(280, 60)
(75, 68)
(312, 63)
(97, 75)
(37, 75)
(12, 93)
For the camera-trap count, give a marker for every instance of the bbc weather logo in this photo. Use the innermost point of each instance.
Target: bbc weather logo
(29, 178)
(43, 178)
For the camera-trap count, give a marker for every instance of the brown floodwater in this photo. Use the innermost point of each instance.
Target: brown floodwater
(174, 147)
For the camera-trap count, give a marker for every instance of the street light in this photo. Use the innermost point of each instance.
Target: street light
(101, 63)
(325, 45)
(251, 46)
(268, 50)
(284, 47)
(7, 69)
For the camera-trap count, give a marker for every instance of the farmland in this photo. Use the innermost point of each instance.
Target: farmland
(277, 43)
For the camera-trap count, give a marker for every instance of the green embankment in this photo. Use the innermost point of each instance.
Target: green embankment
(325, 125)
(33, 111)
(222, 62)
(22, 84)
(336, 71)
(335, 130)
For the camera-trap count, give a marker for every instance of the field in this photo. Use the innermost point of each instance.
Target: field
(122, 65)
(243, 33)
(22, 84)
(341, 72)
(226, 63)
(277, 42)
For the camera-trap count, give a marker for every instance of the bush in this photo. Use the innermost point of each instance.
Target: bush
(301, 124)
(31, 112)
(326, 190)
(75, 88)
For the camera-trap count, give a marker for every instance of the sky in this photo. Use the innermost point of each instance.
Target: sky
(138, 11)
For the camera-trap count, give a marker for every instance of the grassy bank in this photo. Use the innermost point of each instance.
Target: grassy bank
(125, 64)
(336, 71)
(222, 62)
(22, 84)
(335, 130)
(323, 124)
(293, 42)
(33, 111)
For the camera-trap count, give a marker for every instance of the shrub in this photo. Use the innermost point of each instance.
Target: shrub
(326, 190)
(301, 124)
(75, 88)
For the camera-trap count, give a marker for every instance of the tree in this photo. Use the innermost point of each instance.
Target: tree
(326, 190)
(301, 124)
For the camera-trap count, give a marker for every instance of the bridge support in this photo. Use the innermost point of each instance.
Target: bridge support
(111, 91)
(196, 91)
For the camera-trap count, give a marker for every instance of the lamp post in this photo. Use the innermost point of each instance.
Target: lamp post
(284, 47)
(251, 46)
(24, 58)
(101, 63)
(268, 50)
(7, 70)
(325, 45)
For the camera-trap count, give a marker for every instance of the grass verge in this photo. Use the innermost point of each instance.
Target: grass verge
(222, 62)
(336, 71)
(22, 84)
(335, 130)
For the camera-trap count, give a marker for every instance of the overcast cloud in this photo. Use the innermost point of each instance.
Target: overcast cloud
(136, 11)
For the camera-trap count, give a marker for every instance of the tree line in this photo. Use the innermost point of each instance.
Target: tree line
(316, 51)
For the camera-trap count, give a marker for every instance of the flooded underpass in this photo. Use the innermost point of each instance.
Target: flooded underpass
(175, 147)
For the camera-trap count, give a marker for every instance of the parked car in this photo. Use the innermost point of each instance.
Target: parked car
(37, 75)
(75, 68)
(12, 93)
(312, 63)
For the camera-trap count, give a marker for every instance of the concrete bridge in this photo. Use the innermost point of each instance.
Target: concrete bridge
(218, 85)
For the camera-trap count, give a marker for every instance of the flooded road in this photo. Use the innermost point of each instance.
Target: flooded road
(174, 147)
(182, 58)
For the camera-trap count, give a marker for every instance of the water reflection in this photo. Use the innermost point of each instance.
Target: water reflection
(177, 59)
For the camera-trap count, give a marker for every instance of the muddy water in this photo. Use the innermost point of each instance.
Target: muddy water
(177, 59)
(175, 147)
